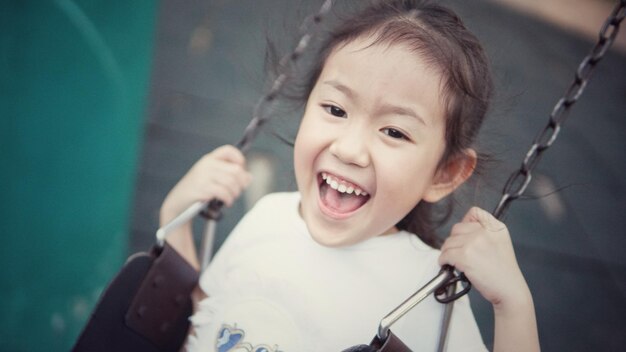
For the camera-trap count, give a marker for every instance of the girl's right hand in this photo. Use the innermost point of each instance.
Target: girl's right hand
(220, 174)
(480, 246)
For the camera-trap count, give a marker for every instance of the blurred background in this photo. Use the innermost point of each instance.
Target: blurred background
(106, 104)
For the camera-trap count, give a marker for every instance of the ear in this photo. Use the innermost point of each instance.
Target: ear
(451, 175)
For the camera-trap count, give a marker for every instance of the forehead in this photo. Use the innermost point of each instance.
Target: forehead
(387, 72)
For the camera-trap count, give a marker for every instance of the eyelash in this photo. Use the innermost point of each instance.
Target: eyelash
(394, 133)
(391, 132)
(333, 110)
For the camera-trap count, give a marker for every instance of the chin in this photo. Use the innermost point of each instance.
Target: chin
(335, 238)
(330, 239)
(327, 240)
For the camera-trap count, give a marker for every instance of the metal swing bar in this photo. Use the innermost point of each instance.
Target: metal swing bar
(444, 284)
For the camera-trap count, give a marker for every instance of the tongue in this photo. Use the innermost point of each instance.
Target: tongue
(341, 202)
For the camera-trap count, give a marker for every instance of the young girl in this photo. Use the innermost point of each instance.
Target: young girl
(395, 98)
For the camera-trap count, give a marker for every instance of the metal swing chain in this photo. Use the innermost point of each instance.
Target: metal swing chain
(259, 118)
(519, 180)
(259, 115)
(444, 283)
(212, 209)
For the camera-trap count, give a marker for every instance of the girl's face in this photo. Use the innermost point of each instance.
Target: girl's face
(369, 142)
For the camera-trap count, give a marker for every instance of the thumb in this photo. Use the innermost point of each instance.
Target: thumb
(484, 218)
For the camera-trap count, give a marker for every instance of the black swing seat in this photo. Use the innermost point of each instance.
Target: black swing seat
(145, 308)
(391, 344)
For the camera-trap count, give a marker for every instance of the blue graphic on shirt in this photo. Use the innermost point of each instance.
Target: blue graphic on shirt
(230, 338)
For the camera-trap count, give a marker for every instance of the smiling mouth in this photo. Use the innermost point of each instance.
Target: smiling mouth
(340, 198)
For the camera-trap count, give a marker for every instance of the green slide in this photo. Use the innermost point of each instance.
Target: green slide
(73, 86)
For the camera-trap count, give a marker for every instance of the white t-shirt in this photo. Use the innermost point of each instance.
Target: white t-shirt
(271, 287)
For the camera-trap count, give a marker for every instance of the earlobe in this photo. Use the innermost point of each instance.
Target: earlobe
(451, 175)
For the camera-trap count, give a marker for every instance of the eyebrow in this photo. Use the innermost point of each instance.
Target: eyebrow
(386, 108)
(340, 87)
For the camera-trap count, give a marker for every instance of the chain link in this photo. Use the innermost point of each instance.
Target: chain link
(260, 115)
(520, 179)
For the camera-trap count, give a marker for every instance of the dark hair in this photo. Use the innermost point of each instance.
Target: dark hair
(439, 36)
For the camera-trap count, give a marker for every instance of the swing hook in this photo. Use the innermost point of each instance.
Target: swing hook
(438, 285)
(442, 293)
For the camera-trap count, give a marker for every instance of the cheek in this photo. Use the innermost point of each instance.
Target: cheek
(308, 140)
(404, 180)
(298, 157)
(303, 150)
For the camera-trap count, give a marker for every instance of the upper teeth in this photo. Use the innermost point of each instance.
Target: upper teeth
(341, 186)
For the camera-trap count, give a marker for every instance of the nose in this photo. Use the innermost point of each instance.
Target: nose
(351, 147)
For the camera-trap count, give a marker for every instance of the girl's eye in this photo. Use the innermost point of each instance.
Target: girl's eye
(335, 111)
(393, 133)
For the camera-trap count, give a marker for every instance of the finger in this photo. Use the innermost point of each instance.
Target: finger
(460, 259)
(212, 163)
(475, 214)
(483, 217)
(454, 242)
(464, 228)
(230, 154)
(454, 257)
(234, 175)
(227, 184)
(472, 246)
(241, 176)
(223, 194)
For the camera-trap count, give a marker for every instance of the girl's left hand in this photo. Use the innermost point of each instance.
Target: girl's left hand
(480, 246)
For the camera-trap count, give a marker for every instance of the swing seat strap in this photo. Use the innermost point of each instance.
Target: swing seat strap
(391, 344)
(146, 306)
